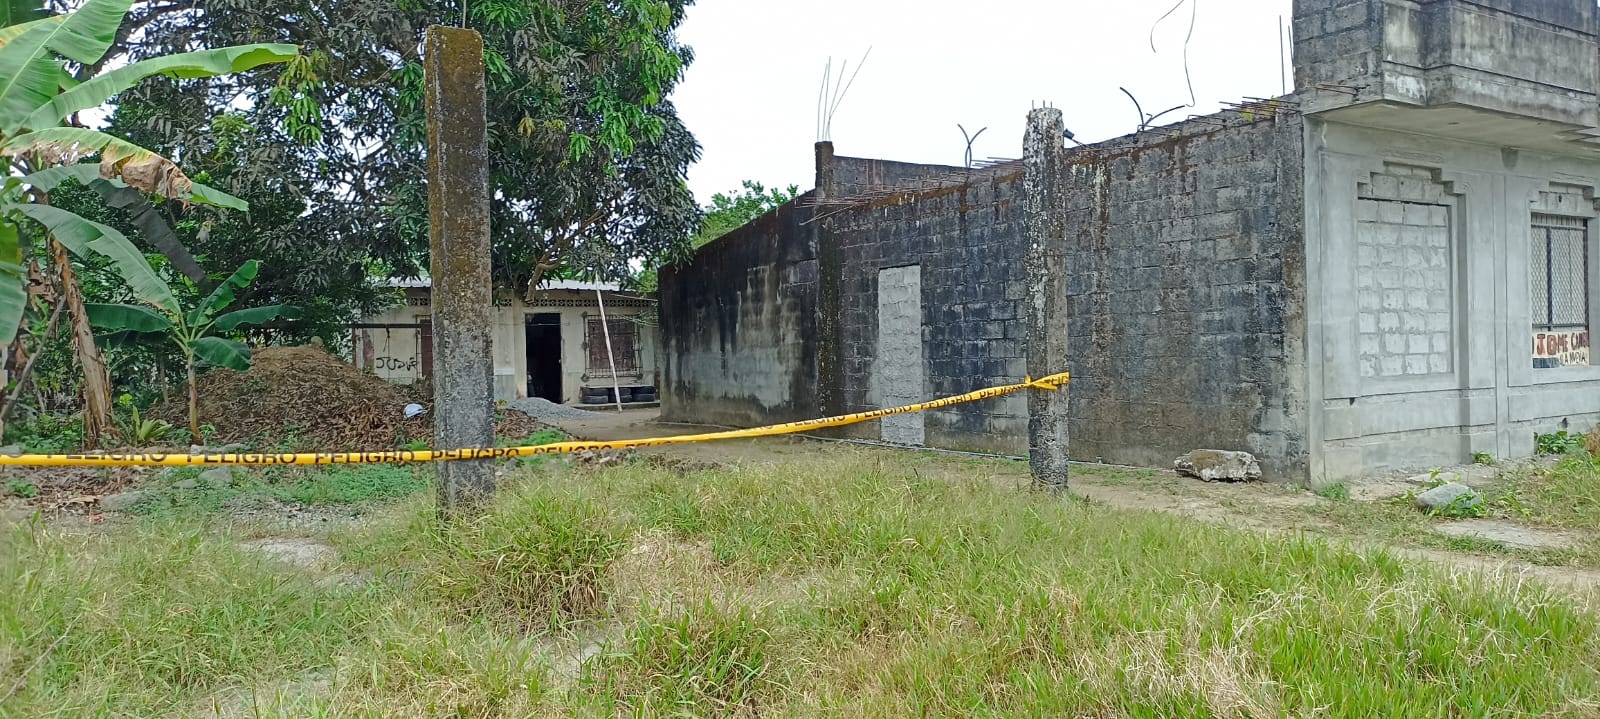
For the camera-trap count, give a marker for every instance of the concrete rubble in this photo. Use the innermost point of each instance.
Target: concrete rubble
(1214, 465)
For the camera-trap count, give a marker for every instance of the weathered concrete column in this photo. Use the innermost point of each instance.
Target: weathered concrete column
(458, 213)
(1045, 211)
(830, 278)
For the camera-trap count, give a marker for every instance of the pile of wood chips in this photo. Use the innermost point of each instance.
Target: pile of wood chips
(305, 399)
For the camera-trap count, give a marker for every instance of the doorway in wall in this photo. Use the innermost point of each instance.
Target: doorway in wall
(897, 373)
(543, 332)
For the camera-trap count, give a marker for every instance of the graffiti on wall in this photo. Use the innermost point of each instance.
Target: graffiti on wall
(393, 353)
(397, 364)
(1560, 349)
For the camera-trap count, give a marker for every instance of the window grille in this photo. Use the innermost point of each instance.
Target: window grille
(1559, 273)
(624, 346)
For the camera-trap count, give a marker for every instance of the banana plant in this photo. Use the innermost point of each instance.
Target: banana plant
(197, 331)
(38, 97)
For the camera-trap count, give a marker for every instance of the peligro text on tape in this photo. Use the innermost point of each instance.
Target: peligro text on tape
(156, 459)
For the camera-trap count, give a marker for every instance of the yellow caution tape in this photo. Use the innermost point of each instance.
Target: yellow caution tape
(157, 459)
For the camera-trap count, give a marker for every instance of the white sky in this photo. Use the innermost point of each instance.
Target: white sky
(751, 94)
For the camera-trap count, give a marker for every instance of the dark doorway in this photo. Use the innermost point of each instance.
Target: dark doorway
(544, 356)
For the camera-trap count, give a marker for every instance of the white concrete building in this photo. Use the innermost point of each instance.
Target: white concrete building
(553, 347)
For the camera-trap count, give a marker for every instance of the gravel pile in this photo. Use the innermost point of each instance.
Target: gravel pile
(544, 410)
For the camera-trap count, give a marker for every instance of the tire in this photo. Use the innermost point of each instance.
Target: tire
(644, 398)
(595, 400)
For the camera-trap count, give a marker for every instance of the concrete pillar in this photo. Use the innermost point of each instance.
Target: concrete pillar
(458, 213)
(830, 275)
(1044, 208)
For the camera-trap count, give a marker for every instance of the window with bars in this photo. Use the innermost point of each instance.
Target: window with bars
(1558, 279)
(1559, 273)
(624, 345)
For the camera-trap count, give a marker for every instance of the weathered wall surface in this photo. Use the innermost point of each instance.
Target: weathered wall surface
(739, 323)
(965, 242)
(1426, 294)
(846, 176)
(1448, 143)
(395, 353)
(1185, 262)
(1533, 58)
(1183, 248)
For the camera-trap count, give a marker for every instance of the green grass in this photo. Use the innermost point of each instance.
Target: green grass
(331, 485)
(852, 584)
(313, 485)
(1337, 492)
(22, 488)
(1397, 521)
(1565, 495)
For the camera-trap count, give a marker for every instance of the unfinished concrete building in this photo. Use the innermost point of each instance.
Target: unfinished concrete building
(1389, 269)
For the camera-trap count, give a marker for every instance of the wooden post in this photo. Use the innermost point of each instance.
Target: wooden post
(605, 326)
(458, 214)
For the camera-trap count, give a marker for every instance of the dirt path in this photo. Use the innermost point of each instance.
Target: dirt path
(1258, 507)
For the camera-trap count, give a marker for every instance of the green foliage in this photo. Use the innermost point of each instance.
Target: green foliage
(730, 211)
(1338, 492)
(47, 434)
(139, 431)
(543, 436)
(94, 92)
(1467, 506)
(17, 12)
(1565, 495)
(328, 279)
(321, 486)
(38, 92)
(589, 158)
(86, 238)
(1560, 442)
(1483, 458)
(151, 612)
(22, 488)
(355, 484)
(193, 332)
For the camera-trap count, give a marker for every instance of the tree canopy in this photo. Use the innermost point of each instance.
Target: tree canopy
(730, 211)
(588, 159)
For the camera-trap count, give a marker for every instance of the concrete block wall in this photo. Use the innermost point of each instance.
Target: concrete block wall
(847, 176)
(966, 242)
(1185, 261)
(1420, 299)
(739, 325)
(1529, 58)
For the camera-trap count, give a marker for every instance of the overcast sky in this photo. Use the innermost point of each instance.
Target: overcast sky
(751, 95)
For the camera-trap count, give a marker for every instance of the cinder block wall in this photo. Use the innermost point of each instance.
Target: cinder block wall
(966, 241)
(1186, 282)
(739, 330)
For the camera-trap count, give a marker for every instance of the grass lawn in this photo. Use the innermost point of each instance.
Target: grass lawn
(854, 583)
(1563, 496)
